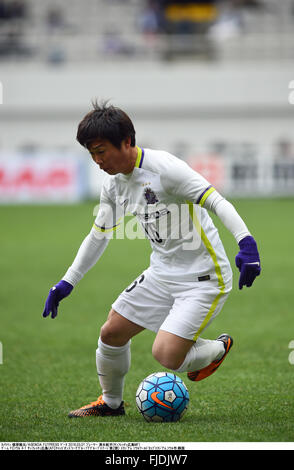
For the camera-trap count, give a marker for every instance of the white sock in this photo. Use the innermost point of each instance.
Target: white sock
(112, 365)
(201, 354)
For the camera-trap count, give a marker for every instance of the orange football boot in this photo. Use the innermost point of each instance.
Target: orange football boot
(97, 408)
(201, 374)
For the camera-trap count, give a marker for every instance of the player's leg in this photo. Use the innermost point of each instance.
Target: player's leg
(118, 330)
(113, 357)
(170, 350)
(178, 345)
(200, 373)
(144, 304)
(174, 352)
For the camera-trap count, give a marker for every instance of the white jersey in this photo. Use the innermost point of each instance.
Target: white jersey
(168, 198)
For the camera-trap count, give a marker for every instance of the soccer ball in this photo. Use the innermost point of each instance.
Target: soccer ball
(162, 397)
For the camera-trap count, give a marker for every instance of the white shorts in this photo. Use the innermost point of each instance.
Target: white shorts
(182, 308)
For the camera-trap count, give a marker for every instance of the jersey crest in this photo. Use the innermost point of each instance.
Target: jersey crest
(150, 196)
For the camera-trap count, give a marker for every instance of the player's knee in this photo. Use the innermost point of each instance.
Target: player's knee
(166, 357)
(111, 335)
(105, 335)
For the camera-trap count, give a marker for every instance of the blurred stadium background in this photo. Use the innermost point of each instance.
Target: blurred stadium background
(206, 80)
(209, 81)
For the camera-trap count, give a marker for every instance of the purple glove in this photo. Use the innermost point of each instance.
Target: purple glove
(248, 262)
(57, 293)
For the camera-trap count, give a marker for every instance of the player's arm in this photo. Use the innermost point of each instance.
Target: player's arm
(87, 256)
(188, 185)
(247, 260)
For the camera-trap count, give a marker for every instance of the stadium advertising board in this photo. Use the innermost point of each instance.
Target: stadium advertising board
(41, 178)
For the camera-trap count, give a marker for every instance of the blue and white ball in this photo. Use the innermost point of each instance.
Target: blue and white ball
(162, 397)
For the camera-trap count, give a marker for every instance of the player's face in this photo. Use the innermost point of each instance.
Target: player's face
(111, 159)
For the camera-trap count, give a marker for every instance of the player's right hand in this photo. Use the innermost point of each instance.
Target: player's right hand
(56, 294)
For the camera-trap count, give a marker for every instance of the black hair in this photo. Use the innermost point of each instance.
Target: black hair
(106, 122)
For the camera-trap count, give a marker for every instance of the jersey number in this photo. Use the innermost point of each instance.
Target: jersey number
(129, 289)
(152, 234)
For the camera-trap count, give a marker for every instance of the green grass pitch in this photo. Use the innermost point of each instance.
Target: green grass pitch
(48, 366)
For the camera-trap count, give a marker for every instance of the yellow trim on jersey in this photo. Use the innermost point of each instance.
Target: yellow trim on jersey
(212, 253)
(209, 314)
(105, 230)
(139, 156)
(205, 196)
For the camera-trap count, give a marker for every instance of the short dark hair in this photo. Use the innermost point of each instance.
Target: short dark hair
(106, 122)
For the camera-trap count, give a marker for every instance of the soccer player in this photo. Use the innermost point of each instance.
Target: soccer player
(189, 277)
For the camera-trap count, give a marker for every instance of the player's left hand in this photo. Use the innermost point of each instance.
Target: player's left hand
(248, 262)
